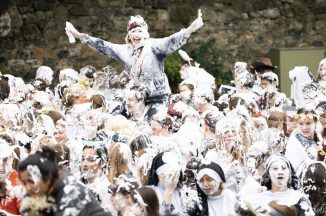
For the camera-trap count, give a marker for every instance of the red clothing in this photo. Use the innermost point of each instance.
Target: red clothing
(12, 204)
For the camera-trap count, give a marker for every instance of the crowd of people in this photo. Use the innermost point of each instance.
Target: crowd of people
(103, 142)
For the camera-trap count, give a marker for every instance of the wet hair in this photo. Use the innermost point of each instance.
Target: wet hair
(38, 84)
(45, 160)
(313, 184)
(139, 144)
(210, 121)
(55, 116)
(118, 163)
(141, 92)
(6, 138)
(150, 198)
(62, 154)
(98, 101)
(156, 163)
(88, 71)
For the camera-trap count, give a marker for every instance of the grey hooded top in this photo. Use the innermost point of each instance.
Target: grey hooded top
(148, 68)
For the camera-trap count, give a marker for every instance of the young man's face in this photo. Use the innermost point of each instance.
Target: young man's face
(133, 104)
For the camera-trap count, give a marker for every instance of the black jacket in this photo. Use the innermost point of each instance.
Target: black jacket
(73, 198)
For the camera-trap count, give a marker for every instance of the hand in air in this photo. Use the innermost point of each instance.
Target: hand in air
(171, 181)
(72, 31)
(198, 23)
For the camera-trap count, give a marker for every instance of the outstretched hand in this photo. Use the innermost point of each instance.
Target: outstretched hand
(70, 29)
(197, 24)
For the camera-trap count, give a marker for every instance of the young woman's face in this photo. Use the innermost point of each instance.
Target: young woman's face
(280, 175)
(307, 127)
(322, 72)
(34, 188)
(90, 163)
(60, 133)
(210, 186)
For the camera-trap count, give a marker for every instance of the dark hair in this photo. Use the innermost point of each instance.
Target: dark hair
(149, 197)
(88, 71)
(62, 154)
(4, 88)
(313, 184)
(98, 101)
(38, 84)
(156, 163)
(45, 161)
(210, 121)
(139, 143)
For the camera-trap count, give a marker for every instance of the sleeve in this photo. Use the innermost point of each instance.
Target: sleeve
(104, 47)
(166, 209)
(304, 207)
(166, 46)
(295, 153)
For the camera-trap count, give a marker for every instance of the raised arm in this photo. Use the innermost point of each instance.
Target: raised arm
(168, 45)
(102, 46)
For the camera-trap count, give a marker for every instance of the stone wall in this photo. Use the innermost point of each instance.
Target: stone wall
(242, 30)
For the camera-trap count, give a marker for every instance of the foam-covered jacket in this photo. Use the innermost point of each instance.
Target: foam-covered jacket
(147, 64)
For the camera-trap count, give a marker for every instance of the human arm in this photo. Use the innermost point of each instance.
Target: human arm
(168, 45)
(195, 25)
(104, 47)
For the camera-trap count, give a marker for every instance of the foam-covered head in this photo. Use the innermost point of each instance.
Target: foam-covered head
(45, 73)
(137, 31)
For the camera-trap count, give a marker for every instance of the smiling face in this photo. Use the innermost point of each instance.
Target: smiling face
(210, 186)
(137, 36)
(280, 176)
(307, 127)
